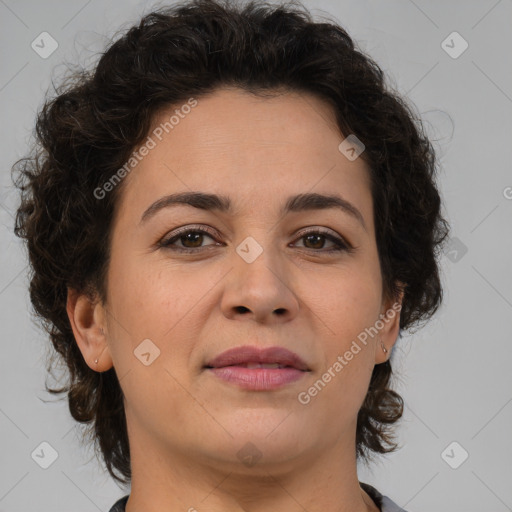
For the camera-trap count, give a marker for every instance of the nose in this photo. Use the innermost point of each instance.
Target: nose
(261, 289)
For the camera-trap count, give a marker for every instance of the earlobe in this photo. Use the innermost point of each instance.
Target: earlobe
(382, 353)
(87, 322)
(390, 328)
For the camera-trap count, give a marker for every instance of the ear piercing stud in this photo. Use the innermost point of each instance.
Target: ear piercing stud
(102, 332)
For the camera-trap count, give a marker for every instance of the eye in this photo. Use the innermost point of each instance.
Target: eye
(191, 239)
(315, 236)
(189, 235)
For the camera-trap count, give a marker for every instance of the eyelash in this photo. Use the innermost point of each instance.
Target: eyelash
(341, 245)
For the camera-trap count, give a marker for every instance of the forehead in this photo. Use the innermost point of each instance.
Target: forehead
(246, 147)
(238, 120)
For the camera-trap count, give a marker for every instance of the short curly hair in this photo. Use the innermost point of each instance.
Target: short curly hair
(87, 131)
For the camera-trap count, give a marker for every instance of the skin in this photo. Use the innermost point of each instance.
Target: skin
(185, 425)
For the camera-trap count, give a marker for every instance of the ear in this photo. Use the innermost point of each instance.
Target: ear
(390, 317)
(88, 321)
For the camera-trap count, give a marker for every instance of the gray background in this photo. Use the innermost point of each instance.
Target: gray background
(454, 374)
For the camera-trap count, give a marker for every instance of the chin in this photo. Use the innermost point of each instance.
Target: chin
(276, 433)
(246, 453)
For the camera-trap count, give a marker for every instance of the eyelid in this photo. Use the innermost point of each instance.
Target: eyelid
(214, 232)
(321, 230)
(340, 242)
(192, 227)
(185, 229)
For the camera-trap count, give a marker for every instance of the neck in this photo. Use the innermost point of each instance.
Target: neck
(322, 481)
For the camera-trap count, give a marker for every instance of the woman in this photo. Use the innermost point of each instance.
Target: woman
(230, 221)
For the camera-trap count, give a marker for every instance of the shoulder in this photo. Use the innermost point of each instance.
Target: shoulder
(119, 505)
(385, 504)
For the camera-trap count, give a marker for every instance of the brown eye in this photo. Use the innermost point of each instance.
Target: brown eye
(315, 240)
(194, 237)
(191, 240)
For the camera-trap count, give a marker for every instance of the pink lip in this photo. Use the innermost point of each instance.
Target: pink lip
(229, 366)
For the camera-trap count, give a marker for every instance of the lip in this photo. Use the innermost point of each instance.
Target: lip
(230, 366)
(248, 354)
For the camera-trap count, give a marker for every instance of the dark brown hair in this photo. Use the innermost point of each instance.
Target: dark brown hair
(87, 131)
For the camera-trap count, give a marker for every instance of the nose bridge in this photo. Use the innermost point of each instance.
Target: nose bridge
(260, 281)
(259, 258)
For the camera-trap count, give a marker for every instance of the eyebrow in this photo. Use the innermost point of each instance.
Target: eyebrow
(220, 203)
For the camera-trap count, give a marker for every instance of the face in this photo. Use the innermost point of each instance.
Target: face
(306, 280)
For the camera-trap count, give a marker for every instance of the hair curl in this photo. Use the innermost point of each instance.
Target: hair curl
(88, 130)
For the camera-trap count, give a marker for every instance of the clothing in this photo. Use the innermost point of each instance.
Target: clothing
(119, 505)
(383, 502)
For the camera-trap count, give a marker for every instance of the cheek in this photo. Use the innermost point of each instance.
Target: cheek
(344, 379)
(159, 302)
(148, 305)
(350, 310)
(351, 303)
(145, 294)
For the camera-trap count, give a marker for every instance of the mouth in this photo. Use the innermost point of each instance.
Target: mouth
(254, 357)
(258, 369)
